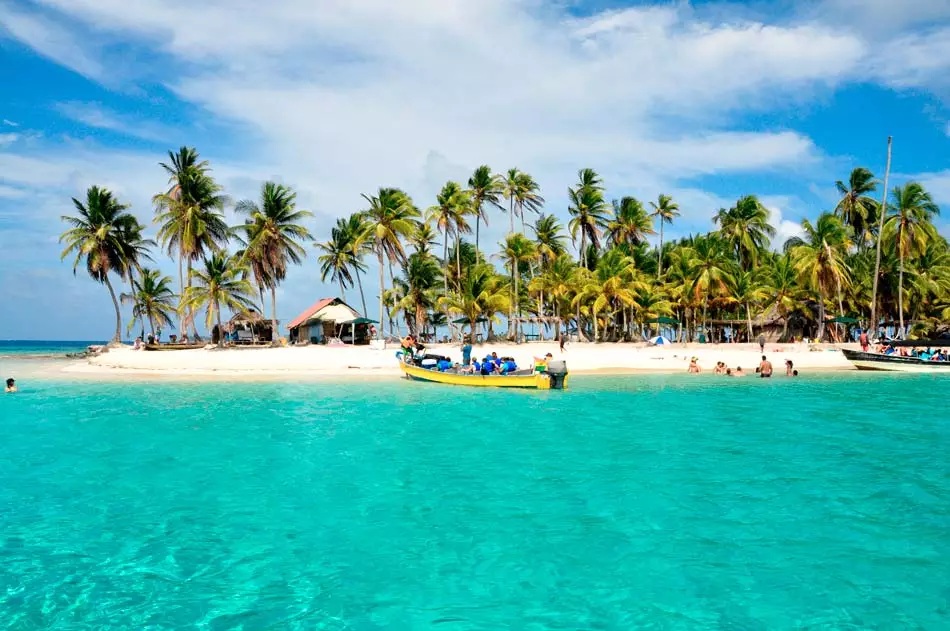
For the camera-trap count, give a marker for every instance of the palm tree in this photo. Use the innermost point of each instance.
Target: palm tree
(818, 258)
(610, 285)
(337, 259)
(484, 188)
(711, 270)
(222, 282)
(189, 215)
(521, 191)
(356, 234)
(588, 209)
(747, 290)
(272, 236)
(652, 302)
(856, 208)
(630, 225)
(556, 281)
(482, 295)
(391, 216)
(99, 235)
(665, 210)
(422, 239)
(453, 204)
(152, 298)
(421, 274)
(746, 228)
(549, 237)
(782, 282)
(517, 249)
(909, 225)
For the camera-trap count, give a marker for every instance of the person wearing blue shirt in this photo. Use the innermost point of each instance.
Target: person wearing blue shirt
(466, 354)
(444, 365)
(508, 367)
(476, 366)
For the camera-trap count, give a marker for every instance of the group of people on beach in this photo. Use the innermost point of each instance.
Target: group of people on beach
(764, 369)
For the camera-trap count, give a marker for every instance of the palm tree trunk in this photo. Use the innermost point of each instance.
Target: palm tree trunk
(877, 264)
(594, 311)
(342, 291)
(900, 293)
(458, 259)
(478, 222)
(821, 316)
(517, 301)
(190, 315)
(445, 280)
(785, 329)
(521, 214)
(541, 314)
(748, 315)
(659, 254)
(382, 287)
(181, 296)
(117, 338)
(359, 282)
(274, 334)
(217, 311)
(511, 215)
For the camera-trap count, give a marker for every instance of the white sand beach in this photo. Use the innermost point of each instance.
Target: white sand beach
(362, 361)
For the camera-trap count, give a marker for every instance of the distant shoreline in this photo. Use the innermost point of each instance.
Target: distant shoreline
(363, 363)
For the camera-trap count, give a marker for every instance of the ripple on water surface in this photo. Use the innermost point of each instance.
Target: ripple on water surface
(626, 503)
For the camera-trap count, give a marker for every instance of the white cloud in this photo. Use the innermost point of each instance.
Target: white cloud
(916, 60)
(50, 40)
(95, 115)
(8, 139)
(785, 228)
(9, 123)
(938, 184)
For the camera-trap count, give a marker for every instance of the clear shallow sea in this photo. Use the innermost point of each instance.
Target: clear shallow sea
(41, 349)
(658, 502)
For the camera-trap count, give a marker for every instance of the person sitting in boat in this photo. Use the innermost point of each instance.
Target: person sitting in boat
(496, 360)
(444, 365)
(541, 363)
(488, 366)
(508, 366)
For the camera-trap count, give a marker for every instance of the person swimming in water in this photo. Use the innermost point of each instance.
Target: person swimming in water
(765, 368)
(11, 385)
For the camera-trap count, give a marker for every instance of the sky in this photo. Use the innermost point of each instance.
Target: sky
(704, 101)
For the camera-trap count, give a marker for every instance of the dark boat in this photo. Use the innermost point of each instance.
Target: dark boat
(878, 361)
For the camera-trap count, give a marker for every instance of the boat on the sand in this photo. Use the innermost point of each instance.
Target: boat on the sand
(896, 363)
(554, 378)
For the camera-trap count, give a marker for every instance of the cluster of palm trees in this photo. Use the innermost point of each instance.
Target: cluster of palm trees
(618, 285)
(191, 228)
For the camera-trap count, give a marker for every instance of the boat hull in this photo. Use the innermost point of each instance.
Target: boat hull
(533, 381)
(876, 361)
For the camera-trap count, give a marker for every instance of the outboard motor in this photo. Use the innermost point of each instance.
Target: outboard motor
(557, 372)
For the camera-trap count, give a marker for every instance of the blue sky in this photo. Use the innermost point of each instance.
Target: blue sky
(705, 101)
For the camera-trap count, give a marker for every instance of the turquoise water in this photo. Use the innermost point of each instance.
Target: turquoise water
(625, 503)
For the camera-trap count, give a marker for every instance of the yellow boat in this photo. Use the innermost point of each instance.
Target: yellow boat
(556, 380)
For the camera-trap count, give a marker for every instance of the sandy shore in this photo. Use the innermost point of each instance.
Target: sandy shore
(364, 362)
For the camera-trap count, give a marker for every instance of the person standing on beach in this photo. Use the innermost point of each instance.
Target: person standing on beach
(467, 353)
(765, 368)
(762, 343)
(863, 340)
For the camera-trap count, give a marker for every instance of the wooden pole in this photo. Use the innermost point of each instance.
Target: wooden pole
(880, 231)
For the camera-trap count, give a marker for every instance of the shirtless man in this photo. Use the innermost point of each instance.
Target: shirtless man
(694, 368)
(765, 368)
